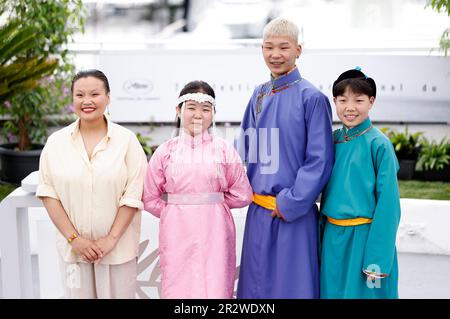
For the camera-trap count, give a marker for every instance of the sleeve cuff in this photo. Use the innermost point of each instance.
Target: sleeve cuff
(131, 202)
(280, 204)
(46, 191)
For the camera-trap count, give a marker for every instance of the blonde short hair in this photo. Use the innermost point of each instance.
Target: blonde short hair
(281, 27)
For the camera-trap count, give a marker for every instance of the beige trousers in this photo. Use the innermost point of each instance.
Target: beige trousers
(90, 281)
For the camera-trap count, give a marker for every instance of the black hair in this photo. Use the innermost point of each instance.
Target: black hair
(91, 73)
(359, 86)
(195, 87)
(357, 81)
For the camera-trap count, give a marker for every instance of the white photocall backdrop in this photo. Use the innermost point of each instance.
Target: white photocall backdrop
(145, 84)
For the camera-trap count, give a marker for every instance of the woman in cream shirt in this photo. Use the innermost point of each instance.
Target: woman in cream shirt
(90, 180)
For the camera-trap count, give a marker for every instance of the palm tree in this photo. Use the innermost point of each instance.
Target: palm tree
(18, 72)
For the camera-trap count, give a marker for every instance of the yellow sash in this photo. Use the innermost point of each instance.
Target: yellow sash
(267, 201)
(350, 222)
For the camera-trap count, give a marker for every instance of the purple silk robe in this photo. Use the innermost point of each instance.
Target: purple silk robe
(287, 145)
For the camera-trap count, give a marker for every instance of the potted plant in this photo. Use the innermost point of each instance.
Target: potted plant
(143, 140)
(407, 148)
(28, 110)
(434, 160)
(143, 136)
(19, 75)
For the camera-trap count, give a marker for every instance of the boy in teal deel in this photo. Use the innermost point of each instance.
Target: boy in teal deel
(360, 205)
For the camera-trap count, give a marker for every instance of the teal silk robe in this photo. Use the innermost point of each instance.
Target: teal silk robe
(363, 183)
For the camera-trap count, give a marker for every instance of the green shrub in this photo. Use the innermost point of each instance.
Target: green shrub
(407, 146)
(433, 156)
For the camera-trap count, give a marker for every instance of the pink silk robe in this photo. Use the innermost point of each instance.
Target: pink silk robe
(197, 243)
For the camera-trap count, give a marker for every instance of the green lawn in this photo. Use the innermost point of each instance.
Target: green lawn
(408, 189)
(5, 189)
(424, 190)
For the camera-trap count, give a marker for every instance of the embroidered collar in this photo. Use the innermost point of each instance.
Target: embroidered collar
(276, 85)
(354, 132)
(285, 80)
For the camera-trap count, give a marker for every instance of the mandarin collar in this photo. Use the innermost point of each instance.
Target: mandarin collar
(196, 140)
(359, 129)
(286, 79)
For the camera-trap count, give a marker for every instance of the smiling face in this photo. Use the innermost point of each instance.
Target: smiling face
(280, 54)
(90, 98)
(197, 116)
(353, 108)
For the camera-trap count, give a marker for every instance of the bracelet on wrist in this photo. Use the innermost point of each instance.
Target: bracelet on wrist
(72, 238)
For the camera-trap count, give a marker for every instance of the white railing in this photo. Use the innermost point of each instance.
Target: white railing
(26, 230)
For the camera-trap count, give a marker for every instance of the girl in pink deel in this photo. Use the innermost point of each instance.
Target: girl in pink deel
(203, 178)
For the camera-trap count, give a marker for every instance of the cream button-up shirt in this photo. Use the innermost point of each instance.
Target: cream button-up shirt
(91, 191)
